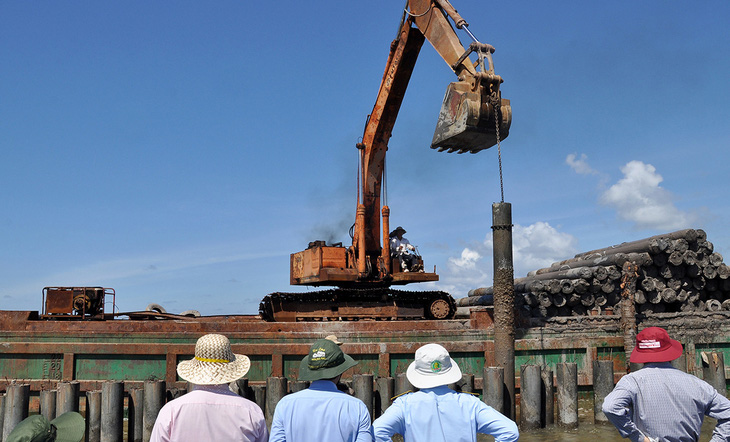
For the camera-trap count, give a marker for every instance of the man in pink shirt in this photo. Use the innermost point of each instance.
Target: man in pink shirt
(211, 412)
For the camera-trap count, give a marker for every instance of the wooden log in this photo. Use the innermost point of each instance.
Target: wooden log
(567, 286)
(726, 305)
(713, 305)
(680, 245)
(669, 295)
(651, 244)
(639, 297)
(559, 300)
(723, 271)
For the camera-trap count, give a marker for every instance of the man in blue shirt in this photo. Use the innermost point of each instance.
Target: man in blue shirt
(660, 402)
(322, 412)
(437, 413)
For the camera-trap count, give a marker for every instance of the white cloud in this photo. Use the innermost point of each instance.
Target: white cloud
(533, 247)
(639, 198)
(580, 165)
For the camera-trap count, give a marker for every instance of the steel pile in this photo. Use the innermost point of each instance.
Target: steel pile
(678, 272)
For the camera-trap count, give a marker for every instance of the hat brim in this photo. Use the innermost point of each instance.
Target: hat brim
(214, 373)
(307, 374)
(420, 380)
(668, 354)
(70, 427)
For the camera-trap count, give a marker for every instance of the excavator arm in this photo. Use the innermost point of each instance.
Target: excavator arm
(472, 117)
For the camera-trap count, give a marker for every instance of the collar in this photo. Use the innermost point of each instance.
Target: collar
(658, 364)
(220, 388)
(322, 385)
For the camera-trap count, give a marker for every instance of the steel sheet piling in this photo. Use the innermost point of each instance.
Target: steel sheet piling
(295, 386)
(713, 371)
(259, 396)
(530, 395)
(47, 399)
(567, 379)
(493, 388)
(17, 399)
(135, 415)
(386, 387)
(154, 399)
(67, 397)
(548, 414)
(504, 300)
(93, 416)
(602, 386)
(362, 384)
(402, 384)
(112, 411)
(2, 415)
(275, 390)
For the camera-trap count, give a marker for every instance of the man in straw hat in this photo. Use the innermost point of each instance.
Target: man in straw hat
(437, 413)
(211, 412)
(660, 402)
(322, 412)
(68, 427)
(402, 249)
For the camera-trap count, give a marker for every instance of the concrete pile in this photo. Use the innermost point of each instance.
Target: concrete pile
(678, 272)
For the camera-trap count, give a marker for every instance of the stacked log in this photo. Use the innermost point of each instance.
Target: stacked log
(678, 272)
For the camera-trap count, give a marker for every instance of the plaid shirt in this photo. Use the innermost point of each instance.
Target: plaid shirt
(665, 403)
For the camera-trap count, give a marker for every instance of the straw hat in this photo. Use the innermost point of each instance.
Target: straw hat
(325, 361)
(214, 362)
(653, 344)
(433, 367)
(68, 427)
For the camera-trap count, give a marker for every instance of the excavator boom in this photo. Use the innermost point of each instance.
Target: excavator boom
(473, 117)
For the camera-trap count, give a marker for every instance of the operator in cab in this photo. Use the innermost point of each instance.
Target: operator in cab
(402, 249)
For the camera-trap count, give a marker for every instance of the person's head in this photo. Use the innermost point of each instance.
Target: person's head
(653, 344)
(214, 362)
(433, 367)
(398, 232)
(325, 361)
(68, 427)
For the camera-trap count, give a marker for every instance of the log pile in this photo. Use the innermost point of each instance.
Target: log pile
(678, 272)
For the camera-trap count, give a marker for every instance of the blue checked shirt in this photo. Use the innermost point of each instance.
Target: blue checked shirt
(321, 413)
(664, 403)
(442, 415)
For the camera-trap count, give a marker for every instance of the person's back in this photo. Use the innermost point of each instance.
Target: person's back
(664, 400)
(660, 402)
(321, 413)
(442, 415)
(210, 413)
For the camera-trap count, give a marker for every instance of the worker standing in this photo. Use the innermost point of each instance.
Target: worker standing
(437, 413)
(322, 413)
(660, 402)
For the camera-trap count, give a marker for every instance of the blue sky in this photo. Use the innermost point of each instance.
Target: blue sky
(180, 152)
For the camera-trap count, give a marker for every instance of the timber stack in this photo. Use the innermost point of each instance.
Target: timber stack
(678, 272)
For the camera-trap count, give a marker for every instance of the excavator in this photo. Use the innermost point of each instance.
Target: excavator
(473, 117)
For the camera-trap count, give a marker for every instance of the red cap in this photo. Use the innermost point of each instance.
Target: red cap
(653, 344)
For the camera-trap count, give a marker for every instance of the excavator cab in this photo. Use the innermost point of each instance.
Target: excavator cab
(473, 115)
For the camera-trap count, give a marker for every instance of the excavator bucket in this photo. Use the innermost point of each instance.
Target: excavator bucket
(467, 123)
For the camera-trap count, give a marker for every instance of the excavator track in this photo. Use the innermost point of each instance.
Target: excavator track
(357, 304)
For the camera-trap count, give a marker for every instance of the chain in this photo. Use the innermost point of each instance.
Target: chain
(496, 104)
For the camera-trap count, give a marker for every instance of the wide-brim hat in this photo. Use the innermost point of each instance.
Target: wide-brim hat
(653, 344)
(433, 367)
(214, 362)
(68, 427)
(397, 229)
(325, 360)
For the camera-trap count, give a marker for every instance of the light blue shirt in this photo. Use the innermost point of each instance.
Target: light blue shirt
(660, 401)
(442, 415)
(321, 413)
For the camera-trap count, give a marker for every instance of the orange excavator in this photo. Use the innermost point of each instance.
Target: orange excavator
(473, 117)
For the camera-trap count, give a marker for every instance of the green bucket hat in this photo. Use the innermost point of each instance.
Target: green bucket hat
(324, 361)
(68, 427)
